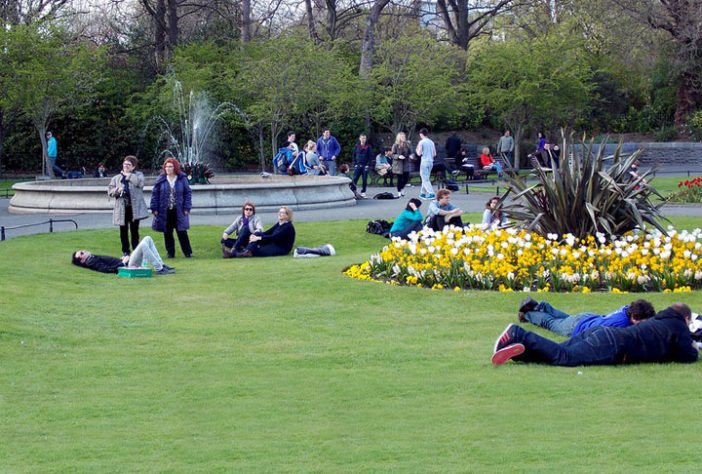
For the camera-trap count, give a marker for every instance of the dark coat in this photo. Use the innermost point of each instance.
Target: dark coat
(103, 263)
(278, 240)
(159, 202)
(662, 338)
(362, 154)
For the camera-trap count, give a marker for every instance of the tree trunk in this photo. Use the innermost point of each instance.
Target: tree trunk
(172, 25)
(311, 29)
(331, 19)
(517, 135)
(159, 21)
(368, 48)
(261, 154)
(245, 28)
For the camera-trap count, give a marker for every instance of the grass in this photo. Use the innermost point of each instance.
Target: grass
(285, 365)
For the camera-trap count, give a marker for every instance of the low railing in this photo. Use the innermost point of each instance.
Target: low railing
(6, 193)
(51, 223)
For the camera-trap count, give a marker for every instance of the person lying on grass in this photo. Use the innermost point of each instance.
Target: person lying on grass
(146, 250)
(544, 315)
(662, 338)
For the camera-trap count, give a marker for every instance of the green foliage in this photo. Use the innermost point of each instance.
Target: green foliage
(595, 194)
(413, 83)
(694, 125)
(237, 366)
(666, 133)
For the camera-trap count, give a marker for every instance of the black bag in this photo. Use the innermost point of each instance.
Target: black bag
(379, 227)
(384, 195)
(451, 184)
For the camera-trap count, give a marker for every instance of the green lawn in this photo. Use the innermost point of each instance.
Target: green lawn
(286, 365)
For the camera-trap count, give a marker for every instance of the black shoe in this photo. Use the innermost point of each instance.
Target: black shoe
(170, 255)
(168, 268)
(528, 304)
(507, 338)
(188, 255)
(126, 254)
(164, 271)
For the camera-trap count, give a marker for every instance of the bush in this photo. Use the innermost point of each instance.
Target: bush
(585, 199)
(667, 133)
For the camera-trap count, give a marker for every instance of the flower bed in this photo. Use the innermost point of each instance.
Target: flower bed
(690, 191)
(515, 260)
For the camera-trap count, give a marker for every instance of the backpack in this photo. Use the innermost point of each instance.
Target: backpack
(281, 160)
(379, 227)
(384, 195)
(451, 184)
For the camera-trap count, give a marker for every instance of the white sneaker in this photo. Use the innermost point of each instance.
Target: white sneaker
(331, 249)
(399, 194)
(363, 195)
(304, 255)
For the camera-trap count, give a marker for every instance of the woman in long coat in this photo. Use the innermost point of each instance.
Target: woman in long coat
(171, 201)
(128, 190)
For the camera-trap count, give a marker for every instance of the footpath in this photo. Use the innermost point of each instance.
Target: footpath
(367, 209)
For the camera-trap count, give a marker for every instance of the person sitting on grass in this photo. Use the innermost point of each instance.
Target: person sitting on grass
(441, 212)
(544, 315)
(662, 338)
(278, 240)
(146, 250)
(410, 220)
(247, 224)
(493, 217)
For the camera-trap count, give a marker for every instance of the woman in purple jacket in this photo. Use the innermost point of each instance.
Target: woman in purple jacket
(171, 201)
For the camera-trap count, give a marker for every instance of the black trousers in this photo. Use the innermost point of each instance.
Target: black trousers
(129, 225)
(171, 222)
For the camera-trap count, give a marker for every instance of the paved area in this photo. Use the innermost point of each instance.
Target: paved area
(364, 209)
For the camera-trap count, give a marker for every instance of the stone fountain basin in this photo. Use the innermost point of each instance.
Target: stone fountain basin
(225, 194)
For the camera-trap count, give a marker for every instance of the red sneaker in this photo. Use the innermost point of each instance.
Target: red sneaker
(506, 353)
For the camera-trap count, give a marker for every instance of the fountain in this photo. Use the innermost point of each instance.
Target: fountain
(221, 194)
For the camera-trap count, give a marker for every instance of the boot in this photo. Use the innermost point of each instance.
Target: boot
(245, 254)
(226, 253)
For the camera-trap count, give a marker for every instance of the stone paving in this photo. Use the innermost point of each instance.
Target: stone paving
(364, 209)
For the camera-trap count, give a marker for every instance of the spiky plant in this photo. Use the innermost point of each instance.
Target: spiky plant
(595, 194)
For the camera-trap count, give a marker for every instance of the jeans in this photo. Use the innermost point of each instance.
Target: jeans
(357, 171)
(508, 157)
(146, 250)
(417, 226)
(56, 168)
(554, 319)
(129, 225)
(171, 220)
(331, 166)
(425, 173)
(241, 241)
(595, 346)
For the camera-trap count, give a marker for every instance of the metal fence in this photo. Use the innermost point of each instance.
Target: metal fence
(51, 223)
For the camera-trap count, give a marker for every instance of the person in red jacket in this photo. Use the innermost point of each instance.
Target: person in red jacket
(489, 163)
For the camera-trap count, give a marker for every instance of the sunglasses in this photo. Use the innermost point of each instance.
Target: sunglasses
(248, 209)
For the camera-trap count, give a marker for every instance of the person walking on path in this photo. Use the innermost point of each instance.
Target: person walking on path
(427, 150)
(52, 153)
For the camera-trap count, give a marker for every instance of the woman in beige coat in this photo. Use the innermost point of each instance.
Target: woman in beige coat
(128, 190)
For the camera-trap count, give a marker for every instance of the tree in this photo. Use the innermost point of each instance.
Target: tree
(680, 20)
(539, 83)
(413, 82)
(49, 73)
(464, 20)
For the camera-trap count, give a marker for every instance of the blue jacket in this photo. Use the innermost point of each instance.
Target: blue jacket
(362, 154)
(159, 202)
(331, 148)
(51, 148)
(617, 318)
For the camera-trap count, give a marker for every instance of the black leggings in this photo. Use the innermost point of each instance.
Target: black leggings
(402, 180)
(129, 225)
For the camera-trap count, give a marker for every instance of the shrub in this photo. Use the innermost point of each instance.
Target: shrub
(592, 194)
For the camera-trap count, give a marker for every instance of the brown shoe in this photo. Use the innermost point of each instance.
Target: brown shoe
(245, 254)
(226, 253)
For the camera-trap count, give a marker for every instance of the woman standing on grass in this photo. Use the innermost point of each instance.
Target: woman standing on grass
(247, 224)
(171, 201)
(278, 240)
(128, 190)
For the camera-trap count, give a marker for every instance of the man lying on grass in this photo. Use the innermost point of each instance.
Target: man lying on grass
(146, 250)
(544, 315)
(663, 338)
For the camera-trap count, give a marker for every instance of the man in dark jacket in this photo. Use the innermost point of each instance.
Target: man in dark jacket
(146, 250)
(663, 338)
(362, 159)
